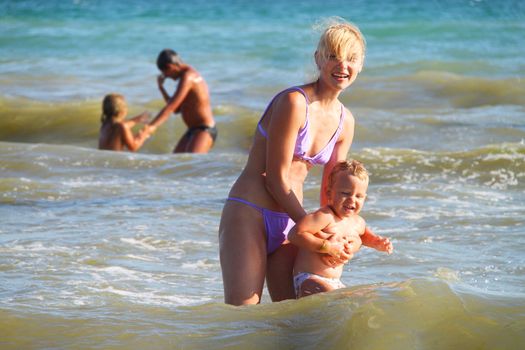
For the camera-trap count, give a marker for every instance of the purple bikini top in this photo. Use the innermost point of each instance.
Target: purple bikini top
(303, 139)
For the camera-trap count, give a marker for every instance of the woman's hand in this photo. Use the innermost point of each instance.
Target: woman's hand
(353, 244)
(340, 250)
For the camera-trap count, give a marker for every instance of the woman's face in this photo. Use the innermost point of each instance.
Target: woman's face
(340, 73)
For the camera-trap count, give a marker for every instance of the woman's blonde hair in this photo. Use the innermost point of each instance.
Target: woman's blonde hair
(342, 39)
(113, 106)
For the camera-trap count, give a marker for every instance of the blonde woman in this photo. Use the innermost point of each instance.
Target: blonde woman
(302, 126)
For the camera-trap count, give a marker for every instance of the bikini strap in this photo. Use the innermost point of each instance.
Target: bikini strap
(342, 118)
(293, 88)
(244, 201)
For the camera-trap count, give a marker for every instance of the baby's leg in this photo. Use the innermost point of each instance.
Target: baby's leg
(314, 285)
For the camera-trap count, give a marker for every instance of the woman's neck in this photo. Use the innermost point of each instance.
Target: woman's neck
(324, 95)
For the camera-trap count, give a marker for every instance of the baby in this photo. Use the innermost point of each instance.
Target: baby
(333, 230)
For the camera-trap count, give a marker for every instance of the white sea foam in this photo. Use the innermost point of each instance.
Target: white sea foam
(39, 247)
(447, 274)
(142, 257)
(143, 228)
(501, 179)
(138, 243)
(200, 264)
(122, 272)
(151, 298)
(196, 243)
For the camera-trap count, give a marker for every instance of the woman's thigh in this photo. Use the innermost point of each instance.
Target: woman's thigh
(242, 253)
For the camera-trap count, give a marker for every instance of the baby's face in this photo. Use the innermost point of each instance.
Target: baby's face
(348, 194)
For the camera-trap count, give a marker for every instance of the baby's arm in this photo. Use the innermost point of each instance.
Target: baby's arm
(132, 142)
(141, 118)
(372, 240)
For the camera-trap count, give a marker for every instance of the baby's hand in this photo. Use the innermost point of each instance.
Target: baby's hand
(144, 117)
(143, 134)
(150, 129)
(383, 244)
(146, 131)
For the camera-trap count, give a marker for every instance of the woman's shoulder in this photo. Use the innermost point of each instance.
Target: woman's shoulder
(294, 94)
(291, 100)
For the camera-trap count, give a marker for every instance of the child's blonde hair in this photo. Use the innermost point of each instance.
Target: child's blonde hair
(113, 106)
(342, 39)
(353, 167)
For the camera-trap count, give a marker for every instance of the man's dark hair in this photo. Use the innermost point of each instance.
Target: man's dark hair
(166, 57)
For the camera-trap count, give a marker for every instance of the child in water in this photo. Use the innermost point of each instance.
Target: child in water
(346, 193)
(115, 132)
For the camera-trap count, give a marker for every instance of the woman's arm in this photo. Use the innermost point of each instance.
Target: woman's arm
(305, 234)
(288, 116)
(339, 153)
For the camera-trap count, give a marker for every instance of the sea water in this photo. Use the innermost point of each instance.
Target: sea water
(118, 250)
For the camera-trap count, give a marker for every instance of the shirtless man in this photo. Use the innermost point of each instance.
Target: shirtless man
(191, 98)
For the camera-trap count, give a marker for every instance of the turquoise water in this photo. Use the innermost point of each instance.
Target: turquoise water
(82, 49)
(107, 250)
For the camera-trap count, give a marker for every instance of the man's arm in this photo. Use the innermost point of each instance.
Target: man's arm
(160, 82)
(174, 102)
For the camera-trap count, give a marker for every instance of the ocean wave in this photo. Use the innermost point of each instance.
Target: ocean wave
(435, 89)
(497, 165)
(77, 124)
(30, 168)
(410, 314)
